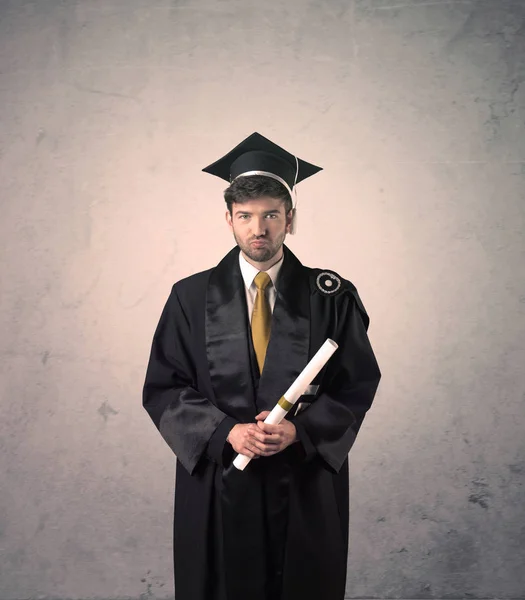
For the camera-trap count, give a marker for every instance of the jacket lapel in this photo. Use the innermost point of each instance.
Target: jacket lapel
(227, 341)
(289, 345)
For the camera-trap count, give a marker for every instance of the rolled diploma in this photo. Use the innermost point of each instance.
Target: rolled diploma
(294, 392)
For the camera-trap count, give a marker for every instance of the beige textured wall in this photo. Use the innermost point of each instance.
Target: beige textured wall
(108, 111)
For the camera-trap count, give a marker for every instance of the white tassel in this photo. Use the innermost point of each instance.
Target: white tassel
(293, 225)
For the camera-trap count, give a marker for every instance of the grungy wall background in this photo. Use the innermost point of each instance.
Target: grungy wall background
(415, 109)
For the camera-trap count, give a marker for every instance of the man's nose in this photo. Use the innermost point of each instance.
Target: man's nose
(259, 226)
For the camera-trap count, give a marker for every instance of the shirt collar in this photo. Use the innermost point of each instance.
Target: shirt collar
(249, 271)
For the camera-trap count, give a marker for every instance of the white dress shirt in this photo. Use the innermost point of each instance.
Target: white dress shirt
(249, 272)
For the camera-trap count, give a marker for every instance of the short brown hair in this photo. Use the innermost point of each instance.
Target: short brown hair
(256, 186)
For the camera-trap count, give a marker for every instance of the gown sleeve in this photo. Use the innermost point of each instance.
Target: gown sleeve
(191, 424)
(329, 426)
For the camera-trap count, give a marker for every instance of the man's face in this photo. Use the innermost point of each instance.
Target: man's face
(259, 227)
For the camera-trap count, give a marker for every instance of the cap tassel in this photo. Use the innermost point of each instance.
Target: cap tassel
(293, 224)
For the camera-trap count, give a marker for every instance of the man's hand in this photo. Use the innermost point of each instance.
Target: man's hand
(260, 439)
(272, 439)
(242, 438)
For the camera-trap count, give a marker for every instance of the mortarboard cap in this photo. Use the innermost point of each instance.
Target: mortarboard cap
(257, 155)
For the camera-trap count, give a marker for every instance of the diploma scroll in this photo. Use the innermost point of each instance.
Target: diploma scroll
(295, 391)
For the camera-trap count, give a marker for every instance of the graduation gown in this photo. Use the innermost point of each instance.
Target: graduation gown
(279, 529)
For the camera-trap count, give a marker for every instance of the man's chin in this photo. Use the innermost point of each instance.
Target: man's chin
(261, 257)
(260, 254)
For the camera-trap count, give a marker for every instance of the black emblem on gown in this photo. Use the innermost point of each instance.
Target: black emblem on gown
(328, 282)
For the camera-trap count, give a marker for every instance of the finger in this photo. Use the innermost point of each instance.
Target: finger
(262, 438)
(270, 449)
(258, 436)
(266, 449)
(264, 426)
(252, 453)
(272, 441)
(274, 450)
(247, 452)
(269, 439)
(267, 428)
(260, 447)
(262, 415)
(265, 438)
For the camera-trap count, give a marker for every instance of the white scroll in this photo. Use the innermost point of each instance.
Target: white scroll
(295, 391)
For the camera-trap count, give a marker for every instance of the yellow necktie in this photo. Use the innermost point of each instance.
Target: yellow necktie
(261, 318)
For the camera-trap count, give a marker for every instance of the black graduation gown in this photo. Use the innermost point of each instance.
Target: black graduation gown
(279, 529)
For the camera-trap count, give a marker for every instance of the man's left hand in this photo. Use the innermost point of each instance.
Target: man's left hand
(274, 438)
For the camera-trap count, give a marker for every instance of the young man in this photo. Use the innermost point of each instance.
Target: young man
(230, 341)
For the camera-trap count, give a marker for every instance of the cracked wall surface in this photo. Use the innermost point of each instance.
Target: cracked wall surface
(109, 111)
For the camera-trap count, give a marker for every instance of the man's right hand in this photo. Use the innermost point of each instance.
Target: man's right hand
(243, 440)
(250, 439)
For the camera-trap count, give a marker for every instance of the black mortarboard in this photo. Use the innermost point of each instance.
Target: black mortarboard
(257, 155)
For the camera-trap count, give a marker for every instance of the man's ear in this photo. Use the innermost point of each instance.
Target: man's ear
(291, 226)
(228, 218)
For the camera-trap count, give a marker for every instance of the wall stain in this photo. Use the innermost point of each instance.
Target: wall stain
(41, 135)
(106, 410)
(151, 581)
(83, 88)
(42, 522)
(479, 498)
(481, 494)
(81, 299)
